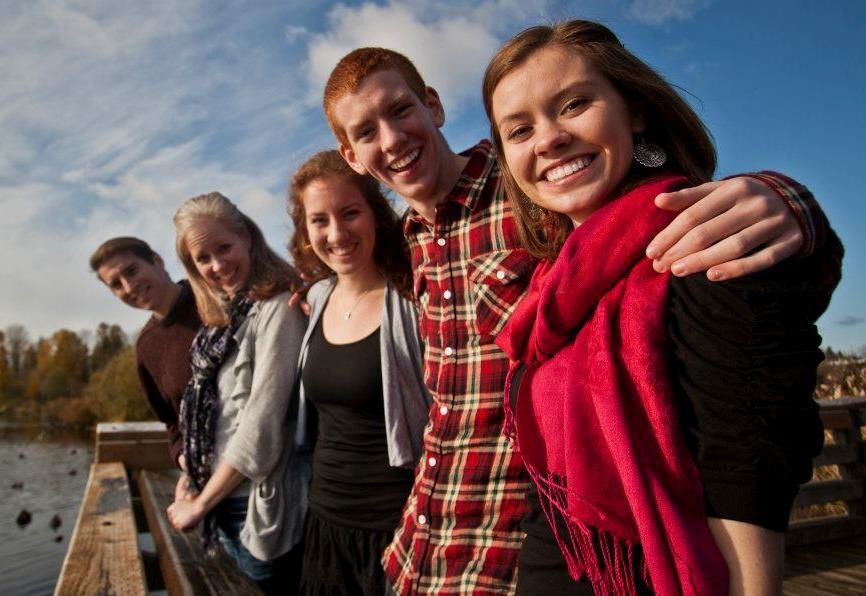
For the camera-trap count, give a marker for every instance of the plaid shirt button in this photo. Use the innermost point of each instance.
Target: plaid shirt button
(476, 473)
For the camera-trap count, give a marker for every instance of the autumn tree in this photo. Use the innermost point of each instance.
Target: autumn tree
(4, 368)
(16, 342)
(60, 369)
(114, 394)
(110, 339)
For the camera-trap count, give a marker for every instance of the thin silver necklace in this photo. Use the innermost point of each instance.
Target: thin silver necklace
(348, 314)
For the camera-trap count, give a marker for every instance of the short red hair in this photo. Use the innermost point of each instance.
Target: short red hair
(354, 67)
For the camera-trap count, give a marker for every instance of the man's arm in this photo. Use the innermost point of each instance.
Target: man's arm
(165, 411)
(738, 226)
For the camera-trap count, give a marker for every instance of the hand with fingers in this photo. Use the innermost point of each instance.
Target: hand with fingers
(299, 299)
(730, 228)
(185, 515)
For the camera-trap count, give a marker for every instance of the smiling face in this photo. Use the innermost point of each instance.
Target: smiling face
(394, 136)
(566, 131)
(137, 282)
(221, 256)
(340, 225)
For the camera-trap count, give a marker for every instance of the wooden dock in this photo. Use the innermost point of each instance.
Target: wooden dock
(826, 552)
(131, 483)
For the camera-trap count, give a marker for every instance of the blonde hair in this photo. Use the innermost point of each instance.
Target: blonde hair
(269, 273)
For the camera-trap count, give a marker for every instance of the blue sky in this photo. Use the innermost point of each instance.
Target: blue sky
(112, 113)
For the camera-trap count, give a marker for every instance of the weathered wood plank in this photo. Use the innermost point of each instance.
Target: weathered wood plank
(842, 403)
(823, 529)
(837, 419)
(829, 568)
(138, 445)
(829, 491)
(103, 556)
(186, 569)
(838, 454)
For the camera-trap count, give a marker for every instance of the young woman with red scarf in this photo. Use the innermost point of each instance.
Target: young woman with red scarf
(667, 422)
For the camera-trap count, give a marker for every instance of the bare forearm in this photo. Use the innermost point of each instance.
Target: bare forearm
(186, 513)
(221, 484)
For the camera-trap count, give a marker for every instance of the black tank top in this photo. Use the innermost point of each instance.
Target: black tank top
(353, 485)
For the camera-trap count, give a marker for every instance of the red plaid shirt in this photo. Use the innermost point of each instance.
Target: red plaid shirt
(460, 530)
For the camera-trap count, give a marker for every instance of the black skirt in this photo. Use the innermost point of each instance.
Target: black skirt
(341, 561)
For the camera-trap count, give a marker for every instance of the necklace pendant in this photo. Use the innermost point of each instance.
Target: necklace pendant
(347, 315)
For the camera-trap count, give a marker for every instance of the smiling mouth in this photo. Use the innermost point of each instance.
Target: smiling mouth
(342, 251)
(560, 172)
(404, 163)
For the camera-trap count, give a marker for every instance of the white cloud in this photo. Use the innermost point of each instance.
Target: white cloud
(450, 50)
(294, 33)
(657, 12)
(112, 114)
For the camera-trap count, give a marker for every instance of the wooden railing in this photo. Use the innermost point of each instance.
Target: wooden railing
(131, 483)
(104, 554)
(841, 492)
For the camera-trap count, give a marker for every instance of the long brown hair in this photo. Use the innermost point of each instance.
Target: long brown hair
(390, 251)
(269, 273)
(670, 121)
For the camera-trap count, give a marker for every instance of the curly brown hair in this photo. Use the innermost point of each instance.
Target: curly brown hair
(390, 251)
(670, 121)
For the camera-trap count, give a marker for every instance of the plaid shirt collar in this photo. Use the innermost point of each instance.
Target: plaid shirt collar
(482, 159)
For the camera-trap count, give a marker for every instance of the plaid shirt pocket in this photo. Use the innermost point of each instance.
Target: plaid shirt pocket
(495, 295)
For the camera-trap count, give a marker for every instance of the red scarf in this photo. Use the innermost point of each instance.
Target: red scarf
(595, 417)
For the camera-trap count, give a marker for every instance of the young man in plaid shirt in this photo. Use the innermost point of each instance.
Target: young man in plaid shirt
(460, 531)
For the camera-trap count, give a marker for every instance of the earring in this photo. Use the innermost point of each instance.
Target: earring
(648, 154)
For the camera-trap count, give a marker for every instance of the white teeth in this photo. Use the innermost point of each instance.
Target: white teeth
(342, 251)
(402, 163)
(562, 171)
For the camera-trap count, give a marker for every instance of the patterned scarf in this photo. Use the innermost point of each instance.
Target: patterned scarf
(595, 419)
(199, 407)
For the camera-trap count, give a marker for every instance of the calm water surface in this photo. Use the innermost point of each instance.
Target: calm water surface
(30, 556)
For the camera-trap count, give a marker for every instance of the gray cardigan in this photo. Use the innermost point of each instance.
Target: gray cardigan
(407, 401)
(253, 430)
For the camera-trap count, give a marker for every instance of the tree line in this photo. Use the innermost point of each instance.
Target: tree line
(67, 379)
(63, 381)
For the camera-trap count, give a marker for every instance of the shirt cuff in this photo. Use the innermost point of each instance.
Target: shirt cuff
(813, 222)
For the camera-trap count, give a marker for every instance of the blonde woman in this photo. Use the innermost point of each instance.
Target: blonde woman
(248, 484)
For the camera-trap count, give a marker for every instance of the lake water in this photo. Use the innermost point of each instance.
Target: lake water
(53, 470)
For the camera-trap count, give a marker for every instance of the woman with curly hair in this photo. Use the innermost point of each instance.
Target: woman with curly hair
(360, 371)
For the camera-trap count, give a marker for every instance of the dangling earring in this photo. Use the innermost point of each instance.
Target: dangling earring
(648, 154)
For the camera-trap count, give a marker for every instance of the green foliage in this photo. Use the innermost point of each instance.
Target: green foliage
(113, 393)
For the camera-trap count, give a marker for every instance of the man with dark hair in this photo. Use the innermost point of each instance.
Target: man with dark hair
(137, 276)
